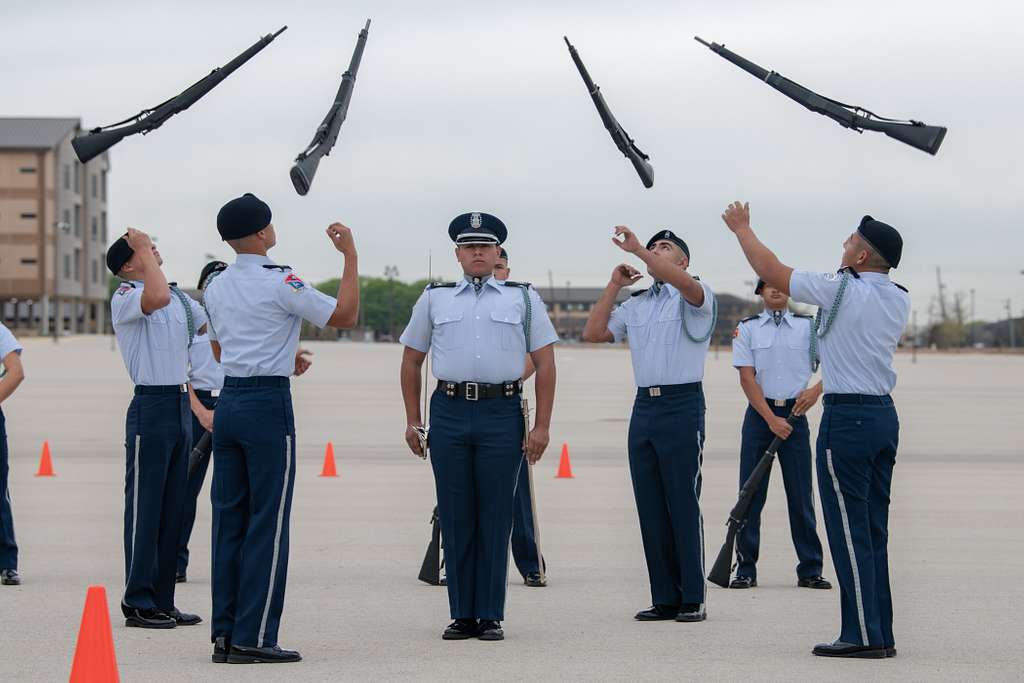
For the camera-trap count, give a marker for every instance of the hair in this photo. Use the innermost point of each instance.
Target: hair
(874, 259)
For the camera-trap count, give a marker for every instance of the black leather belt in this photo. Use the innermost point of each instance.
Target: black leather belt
(267, 381)
(668, 390)
(474, 391)
(858, 399)
(161, 389)
(781, 402)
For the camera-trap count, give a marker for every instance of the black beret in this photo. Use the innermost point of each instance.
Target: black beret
(759, 286)
(502, 253)
(477, 228)
(208, 270)
(671, 237)
(118, 255)
(242, 216)
(883, 238)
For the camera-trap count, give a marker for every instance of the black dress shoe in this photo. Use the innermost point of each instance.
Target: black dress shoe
(658, 613)
(180, 578)
(890, 651)
(9, 577)
(692, 612)
(841, 649)
(184, 618)
(535, 580)
(147, 618)
(221, 648)
(491, 630)
(814, 582)
(461, 629)
(743, 582)
(261, 655)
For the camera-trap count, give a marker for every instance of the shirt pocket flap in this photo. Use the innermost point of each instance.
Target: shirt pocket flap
(511, 317)
(444, 317)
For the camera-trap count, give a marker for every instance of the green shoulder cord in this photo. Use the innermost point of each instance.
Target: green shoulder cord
(817, 332)
(686, 327)
(188, 315)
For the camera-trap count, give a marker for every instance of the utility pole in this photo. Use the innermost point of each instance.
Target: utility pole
(972, 318)
(391, 272)
(942, 294)
(1009, 318)
(913, 345)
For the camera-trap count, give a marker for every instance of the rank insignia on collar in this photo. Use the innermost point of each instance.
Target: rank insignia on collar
(294, 281)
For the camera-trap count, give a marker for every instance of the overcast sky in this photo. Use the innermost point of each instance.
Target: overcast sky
(461, 107)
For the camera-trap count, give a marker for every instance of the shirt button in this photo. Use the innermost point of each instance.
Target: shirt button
(478, 317)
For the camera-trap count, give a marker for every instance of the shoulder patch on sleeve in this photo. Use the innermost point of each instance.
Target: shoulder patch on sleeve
(294, 281)
(902, 287)
(125, 288)
(637, 293)
(435, 285)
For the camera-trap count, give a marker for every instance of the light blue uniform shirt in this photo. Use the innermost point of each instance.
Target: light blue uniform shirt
(653, 323)
(779, 354)
(477, 337)
(154, 346)
(204, 371)
(256, 314)
(8, 343)
(856, 353)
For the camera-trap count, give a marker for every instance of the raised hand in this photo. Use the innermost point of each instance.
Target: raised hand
(737, 216)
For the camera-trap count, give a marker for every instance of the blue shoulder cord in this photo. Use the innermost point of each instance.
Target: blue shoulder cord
(817, 332)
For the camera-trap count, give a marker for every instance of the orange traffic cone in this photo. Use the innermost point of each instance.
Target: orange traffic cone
(329, 469)
(564, 468)
(45, 463)
(95, 661)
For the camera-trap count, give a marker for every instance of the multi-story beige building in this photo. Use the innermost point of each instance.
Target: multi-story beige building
(53, 229)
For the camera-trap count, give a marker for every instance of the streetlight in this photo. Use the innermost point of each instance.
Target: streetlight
(58, 321)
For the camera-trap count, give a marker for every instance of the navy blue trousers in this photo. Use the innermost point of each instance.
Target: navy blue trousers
(524, 541)
(194, 486)
(666, 444)
(476, 450)
(158, 434)
(8, 544)
(253, 478)
(856, 454)
(794, 457)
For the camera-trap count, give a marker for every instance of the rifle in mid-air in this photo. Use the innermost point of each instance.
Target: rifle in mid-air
(99, 140)
(327, 132)
(913, 133)
(738, 515)
(619, 135)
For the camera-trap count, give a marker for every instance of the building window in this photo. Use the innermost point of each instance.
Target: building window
(78, 176)
(67, 218)
(67, 266)
(67, 177)
(95, 271)
(78, 221)
(95, 229)
(28, 261)
(103, 226)
(78, 261)
(26, 169)
(28, 216)
(103, 185)
(94, 182)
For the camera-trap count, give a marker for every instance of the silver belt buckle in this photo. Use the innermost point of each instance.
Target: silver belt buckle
(215, 393)
(654, 392)
(472, 391)
(184, 388)
(779, 402)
